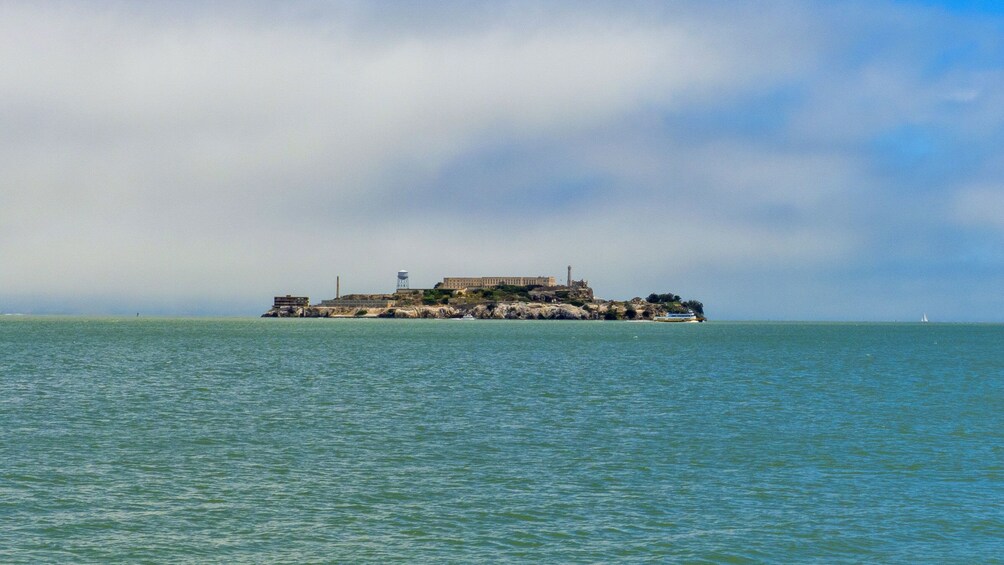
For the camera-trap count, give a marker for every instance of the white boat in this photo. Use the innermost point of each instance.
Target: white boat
(923, 319)
(688, 316)
(466, 317)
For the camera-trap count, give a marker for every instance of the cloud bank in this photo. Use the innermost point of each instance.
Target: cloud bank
(794, 161)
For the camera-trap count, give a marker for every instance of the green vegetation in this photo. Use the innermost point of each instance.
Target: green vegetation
(508, 293)
(673, 303)
(500, 293)
(676, 308)
(436, 296)
(629, 311)
(360, 312)
(696, 306)
(664, 302)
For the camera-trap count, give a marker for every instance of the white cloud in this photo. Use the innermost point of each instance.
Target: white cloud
(214, 109)
(154, 153)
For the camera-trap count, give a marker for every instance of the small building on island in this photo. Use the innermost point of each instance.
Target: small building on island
(291, 302)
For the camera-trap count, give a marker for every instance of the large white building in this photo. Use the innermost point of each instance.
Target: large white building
(488, 282)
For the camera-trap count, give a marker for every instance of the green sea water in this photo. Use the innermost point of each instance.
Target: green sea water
(314, 440)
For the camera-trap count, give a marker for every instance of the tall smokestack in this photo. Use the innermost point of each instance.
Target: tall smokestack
(569, 276)
(338, 287)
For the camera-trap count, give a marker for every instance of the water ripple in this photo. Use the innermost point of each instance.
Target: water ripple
(358, 441)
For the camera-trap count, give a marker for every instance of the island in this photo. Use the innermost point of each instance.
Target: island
(492, 298)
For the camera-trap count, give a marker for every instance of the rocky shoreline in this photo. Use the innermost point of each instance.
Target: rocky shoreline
(607, 310)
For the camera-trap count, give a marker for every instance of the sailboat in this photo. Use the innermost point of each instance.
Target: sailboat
(923, 319)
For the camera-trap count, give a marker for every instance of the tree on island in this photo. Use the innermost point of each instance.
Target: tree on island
(695, 305)
(630, 312)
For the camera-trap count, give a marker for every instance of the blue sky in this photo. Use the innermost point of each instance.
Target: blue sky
(973, 7)
(792, 160)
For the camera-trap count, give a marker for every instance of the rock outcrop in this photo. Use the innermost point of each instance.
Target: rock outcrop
(486, 311)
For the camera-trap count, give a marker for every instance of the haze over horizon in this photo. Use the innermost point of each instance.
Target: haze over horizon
(798, 160)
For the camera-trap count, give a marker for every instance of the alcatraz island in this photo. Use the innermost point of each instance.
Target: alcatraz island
(499, 298)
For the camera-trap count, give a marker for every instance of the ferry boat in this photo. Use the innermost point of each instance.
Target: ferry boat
(688, 316)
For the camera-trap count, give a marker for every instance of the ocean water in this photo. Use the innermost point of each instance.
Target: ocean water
(313, 440)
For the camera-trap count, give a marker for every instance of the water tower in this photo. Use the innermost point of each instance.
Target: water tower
(402, 280)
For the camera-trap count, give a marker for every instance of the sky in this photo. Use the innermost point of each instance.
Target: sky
(783, 160)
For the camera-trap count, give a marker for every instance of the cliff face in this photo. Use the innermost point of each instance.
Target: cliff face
(498, 311)
(489, 311)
